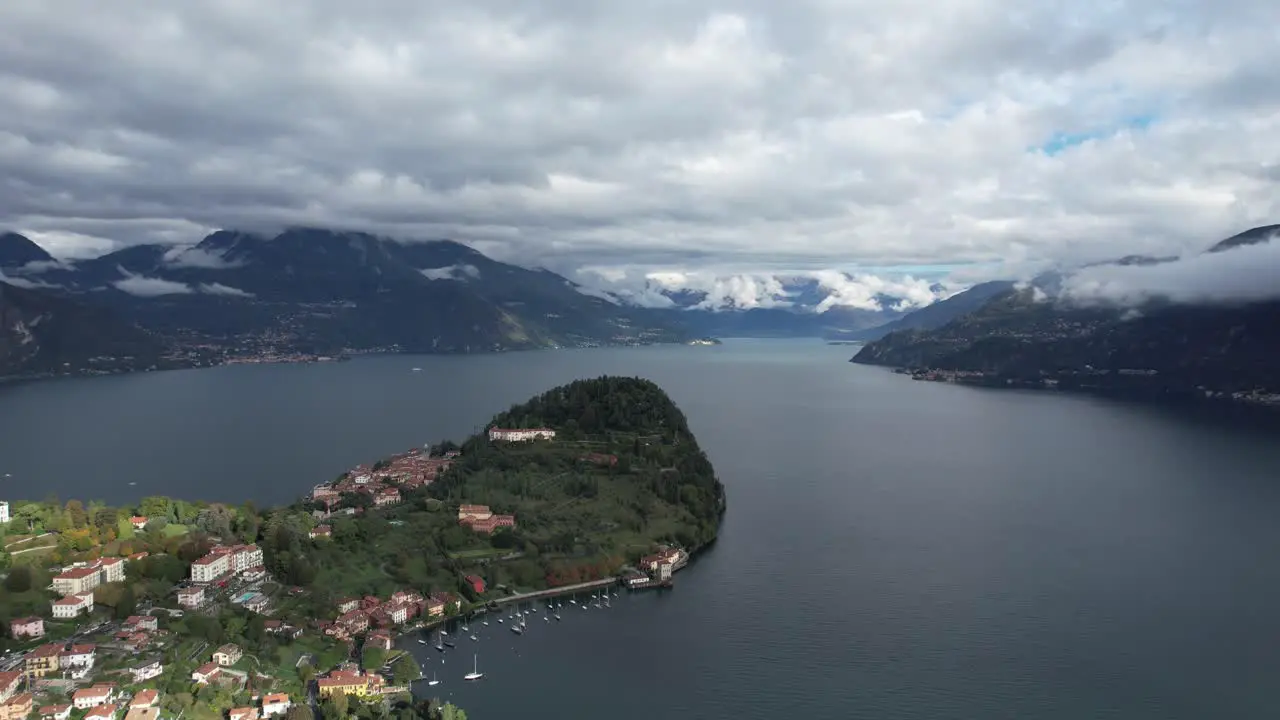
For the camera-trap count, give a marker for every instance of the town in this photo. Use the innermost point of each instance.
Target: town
(172, 609)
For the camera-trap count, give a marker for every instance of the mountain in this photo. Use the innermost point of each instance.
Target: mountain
(1028, 337)
(938, 314)
(835, 322)
(16, 251)
(43, 334)
(323, 292)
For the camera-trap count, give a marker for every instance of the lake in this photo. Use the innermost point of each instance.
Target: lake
(893, 549)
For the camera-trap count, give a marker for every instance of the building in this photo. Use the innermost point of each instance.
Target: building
(205, 673)
(191, 597)
(497, 434)
(17, 707)
(242, 713)
(112, 569)
(9, 684)
(42, 660)
(438, 602)
(139, 522)
(142, 713)
(145, 699)
(387, 496)
(77, 656)
(210, 567)
(91, 697)
(142, 622)
(77, 580)
(346, 605)
(490, 524)
(55, 712)
(380, 639)
(275, 704)
(244, 557)
(27, 627)
(476, 582)
(72, 605)
(102, 712)
(147, 670)
(4, 512)
(321, 531)
(349, 682)
(228, 655)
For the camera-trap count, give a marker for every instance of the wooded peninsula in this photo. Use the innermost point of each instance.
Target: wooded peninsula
(595, 480)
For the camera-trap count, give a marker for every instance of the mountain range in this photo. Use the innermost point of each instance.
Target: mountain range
(1040, 334)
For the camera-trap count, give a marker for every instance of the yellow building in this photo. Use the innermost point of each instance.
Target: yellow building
(349, 682)
(42, 660)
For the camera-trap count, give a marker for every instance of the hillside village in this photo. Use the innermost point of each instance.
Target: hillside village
(173, 609)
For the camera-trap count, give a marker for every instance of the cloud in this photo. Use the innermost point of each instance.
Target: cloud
(810, 291)
(23, 282)
(193, 257)
(220, 289)
(768, 136)
(452, 272)
(143, 286)
(1244, 274)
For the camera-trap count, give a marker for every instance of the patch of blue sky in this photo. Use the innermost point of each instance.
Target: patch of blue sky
(1061, 141)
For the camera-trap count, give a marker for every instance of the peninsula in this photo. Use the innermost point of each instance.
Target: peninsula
(218, 611)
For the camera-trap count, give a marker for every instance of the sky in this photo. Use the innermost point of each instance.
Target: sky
(717, 145)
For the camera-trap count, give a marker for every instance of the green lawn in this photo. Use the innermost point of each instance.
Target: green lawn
(175, 529)
(479, 553)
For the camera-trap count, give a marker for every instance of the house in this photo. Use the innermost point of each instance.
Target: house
(242, 713)
(356, 621)
(321, 531)
(102, 712)
(228, 655)
(145, 699)
(27, 627)
(9, 684)
(191, 597)
(275, 704)
(42, 660)
(438, 602)
(253, 574)
(55, 712)
(72, 605)
(143, 622)
(77, 656)
(17, 707)
(77, 580)
(146, 670)
(4, 512)
(257, 603)
(490, 524)
(497, 434)
(349, 682)
(210, 567)
(346, 605)
(205, 673)
(139, 522)
(112, 569)
(389, 496)
(380, 639)
(91, 697)
(476, 582)
(142, 713)
(473, 512)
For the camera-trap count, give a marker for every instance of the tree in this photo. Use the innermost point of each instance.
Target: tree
(373, 658)
(299, 711)
(406, 669)
(20, 579)
(452, 712)
(77, 514)
(127, 604)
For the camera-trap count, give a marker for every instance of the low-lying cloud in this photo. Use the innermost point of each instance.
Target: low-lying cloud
(227, 290)
(193, 257)
(143, 286)
(1250, 273)
(452, 272)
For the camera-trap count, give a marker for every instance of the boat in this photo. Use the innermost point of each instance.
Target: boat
(440, 646)
(433, 680)
(449, 643)
(421, 641)
(486, 623)
(475, 673)
(465, 629)
(557, 616)
(473, 637)
(499, 619)
(419, 370)
(517, 629)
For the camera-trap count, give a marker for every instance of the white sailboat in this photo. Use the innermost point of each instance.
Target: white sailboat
(475, 673)
(433, 680)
